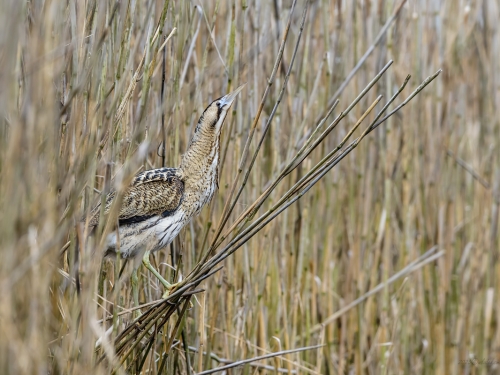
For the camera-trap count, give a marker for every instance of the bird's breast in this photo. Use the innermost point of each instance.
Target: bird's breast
(201, 188)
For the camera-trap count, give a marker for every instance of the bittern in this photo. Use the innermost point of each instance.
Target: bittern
(160, 202)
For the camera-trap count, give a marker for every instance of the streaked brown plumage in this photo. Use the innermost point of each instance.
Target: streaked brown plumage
(151, 193)
(160, 202)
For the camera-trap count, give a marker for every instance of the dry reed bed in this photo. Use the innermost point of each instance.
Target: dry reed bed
(76, 121)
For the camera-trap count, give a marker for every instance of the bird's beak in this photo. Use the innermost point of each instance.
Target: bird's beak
(229, 98)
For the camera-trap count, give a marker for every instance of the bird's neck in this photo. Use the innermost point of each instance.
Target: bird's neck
(201, 160)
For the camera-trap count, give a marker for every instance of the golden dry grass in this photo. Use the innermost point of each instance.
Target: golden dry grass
(82, 109)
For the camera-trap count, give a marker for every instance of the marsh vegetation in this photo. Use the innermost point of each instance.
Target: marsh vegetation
(359, 232)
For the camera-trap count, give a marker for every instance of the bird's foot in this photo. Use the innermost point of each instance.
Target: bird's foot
(136, 314)
(166, 294)
(168, 288)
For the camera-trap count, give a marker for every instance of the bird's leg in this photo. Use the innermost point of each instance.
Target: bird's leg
(135, 292)
(147, 264)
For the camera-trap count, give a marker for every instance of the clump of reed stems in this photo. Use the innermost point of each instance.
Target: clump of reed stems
(135, 342)
(356, 224)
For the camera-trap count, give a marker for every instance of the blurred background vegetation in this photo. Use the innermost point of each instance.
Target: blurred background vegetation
(92, 92)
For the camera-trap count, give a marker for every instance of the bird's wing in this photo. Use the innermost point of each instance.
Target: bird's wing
(153, 192)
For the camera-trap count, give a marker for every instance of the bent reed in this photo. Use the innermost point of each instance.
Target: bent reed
(355, 225)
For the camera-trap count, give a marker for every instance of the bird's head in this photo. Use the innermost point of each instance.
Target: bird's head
(214, 115)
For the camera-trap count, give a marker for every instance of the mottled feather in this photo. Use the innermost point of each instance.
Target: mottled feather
(152, 192)
(160, 202)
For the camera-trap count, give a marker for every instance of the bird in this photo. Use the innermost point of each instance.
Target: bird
(160, 202)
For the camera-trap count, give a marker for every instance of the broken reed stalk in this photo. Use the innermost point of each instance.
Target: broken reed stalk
(158, 314)
(226, 361)
(250, 360)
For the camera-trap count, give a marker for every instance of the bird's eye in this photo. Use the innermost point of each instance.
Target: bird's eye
(220, 107)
